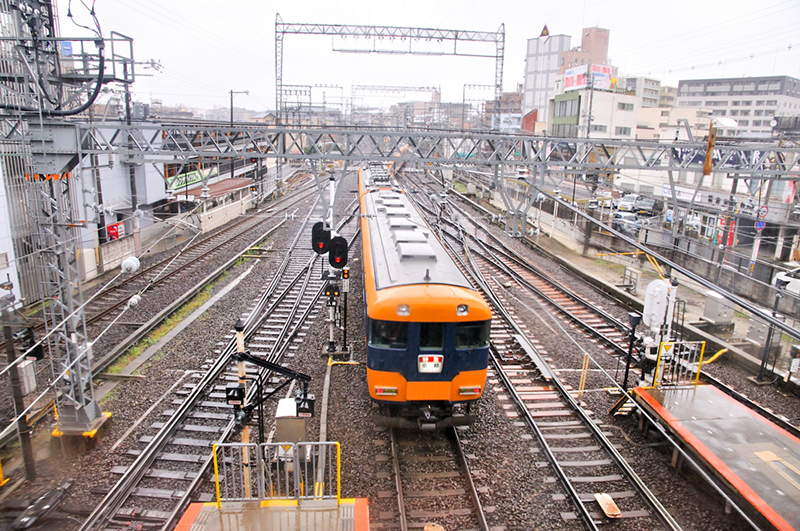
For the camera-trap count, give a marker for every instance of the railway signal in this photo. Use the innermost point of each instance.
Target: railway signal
(320, 238)
(27, 340)
(338, 252)
(332, 290)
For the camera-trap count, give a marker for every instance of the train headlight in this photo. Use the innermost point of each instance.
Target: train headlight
(403, 309)
(462, 309)
(469, 391)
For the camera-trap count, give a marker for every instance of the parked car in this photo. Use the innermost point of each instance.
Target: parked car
(626, 222)
(791, 277)
(626, 203)
(648, 206)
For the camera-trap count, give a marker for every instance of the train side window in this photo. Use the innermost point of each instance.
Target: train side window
(431, 336)
(472, 335)
(389, 334)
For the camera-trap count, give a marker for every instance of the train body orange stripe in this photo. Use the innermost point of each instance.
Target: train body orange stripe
(421, 391)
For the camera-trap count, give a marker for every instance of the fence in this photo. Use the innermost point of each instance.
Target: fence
(282, 471)
(679, 363)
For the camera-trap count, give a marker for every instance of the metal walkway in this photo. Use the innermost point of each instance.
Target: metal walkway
(277, 515)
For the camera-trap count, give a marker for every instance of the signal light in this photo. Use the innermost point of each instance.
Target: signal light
(332, 290)
(234, 394)
(253, 160)
(320, 238)
(27, 340)
(337, 248)
(346, 273)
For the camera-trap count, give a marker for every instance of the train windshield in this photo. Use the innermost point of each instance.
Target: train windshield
(388, 334)
(472, 335)
(431, 336)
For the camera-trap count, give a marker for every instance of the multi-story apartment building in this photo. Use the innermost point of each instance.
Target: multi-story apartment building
(667, 96)
(753, 102)
(547, 59)
(647, 89)
(542, 67)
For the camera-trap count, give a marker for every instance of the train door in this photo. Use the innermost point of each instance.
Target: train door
(430, 357)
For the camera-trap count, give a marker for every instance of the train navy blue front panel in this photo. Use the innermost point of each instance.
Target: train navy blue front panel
(404, 360)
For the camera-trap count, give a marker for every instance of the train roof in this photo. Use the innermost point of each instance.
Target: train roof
(404, 250)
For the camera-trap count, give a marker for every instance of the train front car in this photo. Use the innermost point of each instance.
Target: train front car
(427, 329)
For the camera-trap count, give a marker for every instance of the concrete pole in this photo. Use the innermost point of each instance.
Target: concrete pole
(22, 424)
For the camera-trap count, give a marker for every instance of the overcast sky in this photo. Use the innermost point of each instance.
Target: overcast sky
(209, 48)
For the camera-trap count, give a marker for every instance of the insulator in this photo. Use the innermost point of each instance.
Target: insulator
(130, 265)
(134, 301)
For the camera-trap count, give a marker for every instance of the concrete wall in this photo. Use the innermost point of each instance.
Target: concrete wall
(114, 252)
(225, 213)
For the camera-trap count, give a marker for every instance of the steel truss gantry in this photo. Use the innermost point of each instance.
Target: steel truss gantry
(391, 89)
(390, 32)
(544, 157)
(181, 141)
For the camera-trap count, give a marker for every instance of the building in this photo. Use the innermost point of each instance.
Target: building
(8, 262)
(592, 110)
(753, 102)
(510, 116)
(669, 124)
(645, 88)
(593, 50)
(547, 58)
(667, 96)
(542, 67)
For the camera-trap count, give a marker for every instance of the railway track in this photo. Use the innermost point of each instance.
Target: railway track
(234, 239)
(179, 451)
(584, 461)
(591, 317)
(102, 305)
(433, 481)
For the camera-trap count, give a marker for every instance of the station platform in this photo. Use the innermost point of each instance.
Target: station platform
(277, 515)
(757, 460)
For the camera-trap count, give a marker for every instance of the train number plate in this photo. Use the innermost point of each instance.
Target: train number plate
(430, 363)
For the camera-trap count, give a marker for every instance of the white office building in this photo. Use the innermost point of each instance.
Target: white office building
(543, 63)
(752, 102)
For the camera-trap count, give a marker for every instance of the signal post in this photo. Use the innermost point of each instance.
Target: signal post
(337, 249)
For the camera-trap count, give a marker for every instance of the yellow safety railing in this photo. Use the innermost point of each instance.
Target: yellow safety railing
(277, 471)
(679, 363)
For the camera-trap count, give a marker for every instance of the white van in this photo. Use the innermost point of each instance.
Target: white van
(626, 204)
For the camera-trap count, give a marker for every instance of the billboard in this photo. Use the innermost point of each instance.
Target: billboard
(115, 231)
(604, 76)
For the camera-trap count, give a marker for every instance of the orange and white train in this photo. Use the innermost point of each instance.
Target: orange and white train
(427, 329)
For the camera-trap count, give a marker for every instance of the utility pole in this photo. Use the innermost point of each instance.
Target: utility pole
(137, 241)
(101, 219)
(22, 423)
(232, 93)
